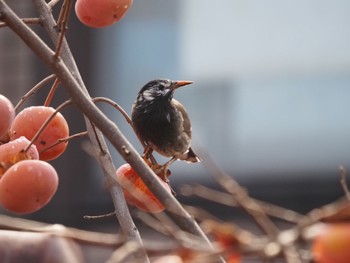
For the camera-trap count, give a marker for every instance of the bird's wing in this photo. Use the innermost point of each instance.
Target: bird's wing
(186, 120)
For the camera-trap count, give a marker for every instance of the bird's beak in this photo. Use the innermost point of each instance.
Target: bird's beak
(180, 83)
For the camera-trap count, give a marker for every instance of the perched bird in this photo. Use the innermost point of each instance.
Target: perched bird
(162, 122)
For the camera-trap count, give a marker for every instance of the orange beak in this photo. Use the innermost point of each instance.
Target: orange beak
(180, 83)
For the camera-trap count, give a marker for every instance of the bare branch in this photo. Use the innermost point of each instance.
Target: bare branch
(28, 21)
(81, 236)
(52, 3)
(126, 253)
(242, 197)
(89, 217)
(128, 120)
(116, 106)
(227, 199)
(343, 182)
(51, 93)
(88, 237)
(251, 207)
(64, 140)
(323, 213)
(62, 24)
(34, 90)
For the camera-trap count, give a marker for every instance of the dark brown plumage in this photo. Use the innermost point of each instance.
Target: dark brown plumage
(162, 122)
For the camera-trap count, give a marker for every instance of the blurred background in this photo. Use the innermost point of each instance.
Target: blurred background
(270, 102)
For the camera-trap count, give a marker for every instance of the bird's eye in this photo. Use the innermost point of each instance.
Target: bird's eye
(164, 85)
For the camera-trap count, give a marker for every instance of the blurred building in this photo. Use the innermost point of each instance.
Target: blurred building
(271, 78)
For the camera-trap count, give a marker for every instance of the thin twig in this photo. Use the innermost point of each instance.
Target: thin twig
(52, 3)
(128, 120)
(166, 226)
(81, 236)
(125, 252)
(34, 90)
(242, 197)
(62, 15)
(98, 138)
(28, 21)
(227, 199)
(51, 92)
(151, 222)
(288, 238)
(62, 24)
(88, 237)
(253, 208)
(89, 217)
(324, 212)
(343, 182)
(201, 214)
(65, 140)
(115, 105)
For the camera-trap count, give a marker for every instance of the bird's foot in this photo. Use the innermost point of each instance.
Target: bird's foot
(147, 152)
(147, 155)
(162, 171)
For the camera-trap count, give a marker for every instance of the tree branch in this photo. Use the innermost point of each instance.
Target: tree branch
(28, 21)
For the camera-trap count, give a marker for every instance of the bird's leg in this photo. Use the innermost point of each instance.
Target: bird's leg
(168, 163)
(161, 170)
(157, 168)
(147, 154)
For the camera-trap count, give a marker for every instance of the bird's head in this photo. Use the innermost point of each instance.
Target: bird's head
(160, 89)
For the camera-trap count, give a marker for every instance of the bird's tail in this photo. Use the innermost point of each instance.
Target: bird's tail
(191, 157)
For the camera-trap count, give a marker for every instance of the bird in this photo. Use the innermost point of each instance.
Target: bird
(162, 122)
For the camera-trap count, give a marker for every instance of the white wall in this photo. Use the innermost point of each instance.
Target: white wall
(248, 37)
